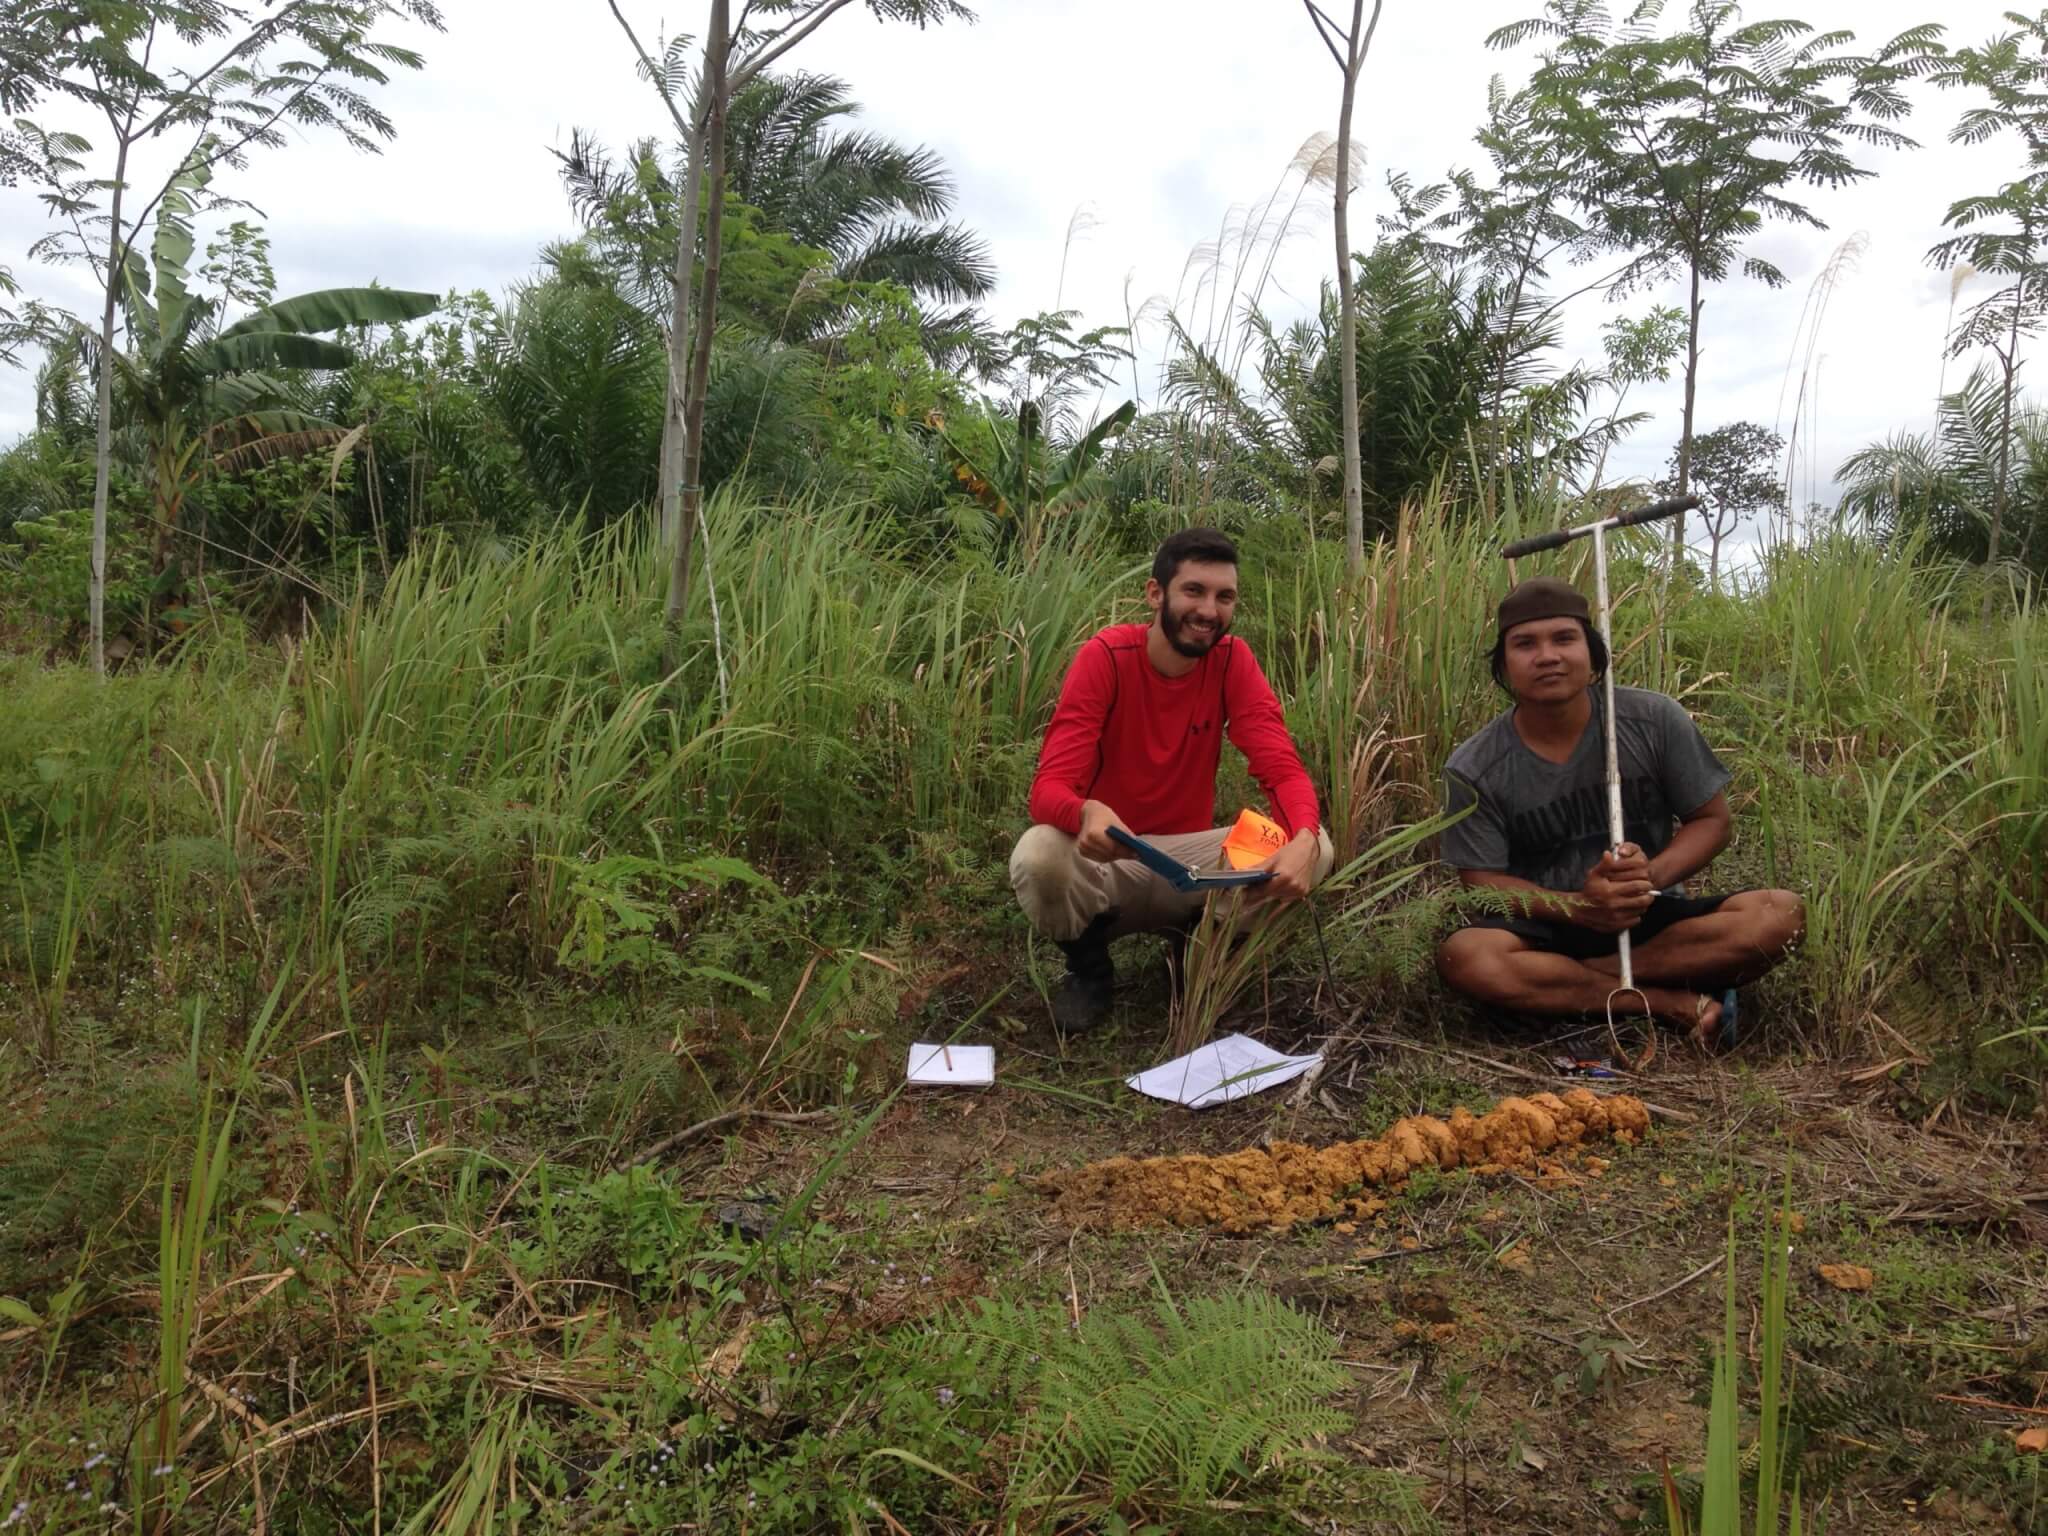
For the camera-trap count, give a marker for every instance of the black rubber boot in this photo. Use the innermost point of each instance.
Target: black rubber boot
(1083, 997)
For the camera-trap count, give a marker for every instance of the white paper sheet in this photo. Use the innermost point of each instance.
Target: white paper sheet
(1231, 1068)
(952, 1066)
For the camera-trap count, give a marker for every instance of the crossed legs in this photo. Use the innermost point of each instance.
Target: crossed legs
(1678, 972)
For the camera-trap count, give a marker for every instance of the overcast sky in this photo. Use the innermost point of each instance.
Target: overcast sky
(1154, 119)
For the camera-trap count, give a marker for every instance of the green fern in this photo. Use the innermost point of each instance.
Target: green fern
(70, 1172)
(396, 892)
(1200, 1395)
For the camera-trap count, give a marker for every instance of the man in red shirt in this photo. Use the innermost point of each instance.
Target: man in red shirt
(1134, 743)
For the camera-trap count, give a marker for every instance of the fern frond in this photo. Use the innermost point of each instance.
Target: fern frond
(1193, 1399)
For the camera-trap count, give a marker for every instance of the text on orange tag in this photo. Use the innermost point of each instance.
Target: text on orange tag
(1253, 840)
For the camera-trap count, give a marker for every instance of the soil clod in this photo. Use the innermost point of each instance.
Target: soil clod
(1276, 1186)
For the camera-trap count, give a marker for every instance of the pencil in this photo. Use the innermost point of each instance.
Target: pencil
(949, 1056)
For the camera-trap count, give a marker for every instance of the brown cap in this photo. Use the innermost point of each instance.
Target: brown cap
(1543, 597)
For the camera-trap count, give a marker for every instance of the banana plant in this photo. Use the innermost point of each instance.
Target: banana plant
(203, 396)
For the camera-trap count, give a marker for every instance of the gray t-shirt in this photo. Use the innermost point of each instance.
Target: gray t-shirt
(1546, 822)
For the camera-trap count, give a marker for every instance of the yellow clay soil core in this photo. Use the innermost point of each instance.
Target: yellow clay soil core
(1285, 1182)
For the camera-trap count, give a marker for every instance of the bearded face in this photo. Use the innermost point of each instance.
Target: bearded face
(1195, 607)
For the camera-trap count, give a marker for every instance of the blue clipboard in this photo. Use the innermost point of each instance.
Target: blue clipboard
(1184, 877)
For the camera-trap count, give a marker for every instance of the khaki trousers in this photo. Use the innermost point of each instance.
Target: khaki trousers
(1062, 892)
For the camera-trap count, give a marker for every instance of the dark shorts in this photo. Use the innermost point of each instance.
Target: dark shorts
(1584, 944)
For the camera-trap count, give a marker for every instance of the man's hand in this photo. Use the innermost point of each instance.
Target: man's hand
(1294, 871)
(1095, 841)
(1617, 891)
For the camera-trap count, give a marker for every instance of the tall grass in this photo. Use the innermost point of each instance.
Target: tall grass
(2011, 708)
(186, 1233)
(1849, 648)
(415, 787)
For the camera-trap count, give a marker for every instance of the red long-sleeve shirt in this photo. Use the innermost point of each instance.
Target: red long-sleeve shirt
(1147, 746)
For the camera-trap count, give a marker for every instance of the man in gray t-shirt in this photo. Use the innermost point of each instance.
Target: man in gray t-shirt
(1533, 786)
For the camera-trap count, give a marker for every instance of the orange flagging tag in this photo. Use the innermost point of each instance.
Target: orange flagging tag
(1253, 840)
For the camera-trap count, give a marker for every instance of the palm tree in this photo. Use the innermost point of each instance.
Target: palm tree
(1946, 484)
(64, 402)
(573, 371)
(1274, 437)
(1436, 346)
(871, 205)
(575, 374)
(49, 470)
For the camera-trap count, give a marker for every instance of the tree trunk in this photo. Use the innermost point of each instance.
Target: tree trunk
(164, 502)
(103, 440)
(1692, 377)
(2011, 361)
(1347, 305)
(689, 506)
(684, 282)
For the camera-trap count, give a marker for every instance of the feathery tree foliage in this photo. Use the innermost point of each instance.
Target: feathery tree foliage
(2003, 232)
(1679, 146)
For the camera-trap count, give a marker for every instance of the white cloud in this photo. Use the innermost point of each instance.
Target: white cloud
(1157, 116)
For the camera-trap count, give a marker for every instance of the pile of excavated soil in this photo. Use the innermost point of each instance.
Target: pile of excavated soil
(1286, 1182)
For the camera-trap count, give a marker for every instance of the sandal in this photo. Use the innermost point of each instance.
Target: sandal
(1728, 1031)
(1730, 1034)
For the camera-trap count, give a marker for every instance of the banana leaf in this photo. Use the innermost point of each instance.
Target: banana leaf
(331, 309)
(242, 351)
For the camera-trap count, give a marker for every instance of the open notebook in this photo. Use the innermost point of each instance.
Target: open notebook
(1185, 877)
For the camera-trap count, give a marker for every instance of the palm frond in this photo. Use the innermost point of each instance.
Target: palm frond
(943, 261)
